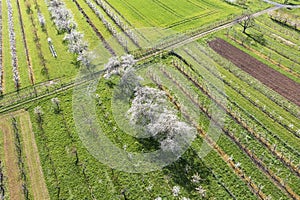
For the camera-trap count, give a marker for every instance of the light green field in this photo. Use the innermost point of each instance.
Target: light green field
(179, 15)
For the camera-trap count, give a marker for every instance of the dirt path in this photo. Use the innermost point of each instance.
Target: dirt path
(265, 74)
(11, 160)
(36, 176)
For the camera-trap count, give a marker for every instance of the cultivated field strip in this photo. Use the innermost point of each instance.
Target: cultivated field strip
(11, 166)
(35, 172)
(268, 53)
(288, 70)
(22, 164)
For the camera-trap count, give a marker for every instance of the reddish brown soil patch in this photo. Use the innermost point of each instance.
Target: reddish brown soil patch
(268, 76)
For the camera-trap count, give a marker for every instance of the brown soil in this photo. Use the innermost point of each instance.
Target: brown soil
(268, 76)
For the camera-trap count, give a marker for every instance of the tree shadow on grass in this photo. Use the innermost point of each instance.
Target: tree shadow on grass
(258, 37)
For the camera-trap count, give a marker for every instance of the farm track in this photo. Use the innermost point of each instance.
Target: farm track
(239, 172)
(30, 71)
(242, 123)
(167, 8)
(99, 35)
(259, 163)
(270, 77)
(191, 19)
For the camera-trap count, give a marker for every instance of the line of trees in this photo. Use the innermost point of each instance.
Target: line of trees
(286, 19)
(39, 113)
(12, 41)
(20, 157)
(37, 39)
(2, 187)
(122, 25)
(122, 41)
(63, 19)
(234, 86)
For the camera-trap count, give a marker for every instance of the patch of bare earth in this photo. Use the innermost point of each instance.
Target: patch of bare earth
(265, 74)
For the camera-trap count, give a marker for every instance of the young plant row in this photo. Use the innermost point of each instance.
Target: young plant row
(125, 27)
(41, 133)
(290, 123)
(259, 163)
(37, 39)
(235, 115)
(267, 53)
(286, 19)
(20, 157)
(275, 46)
(12, 41)
(284, 32)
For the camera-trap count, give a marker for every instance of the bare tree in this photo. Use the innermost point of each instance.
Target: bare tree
(247, 21)
(39, 112)
(55, 101)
